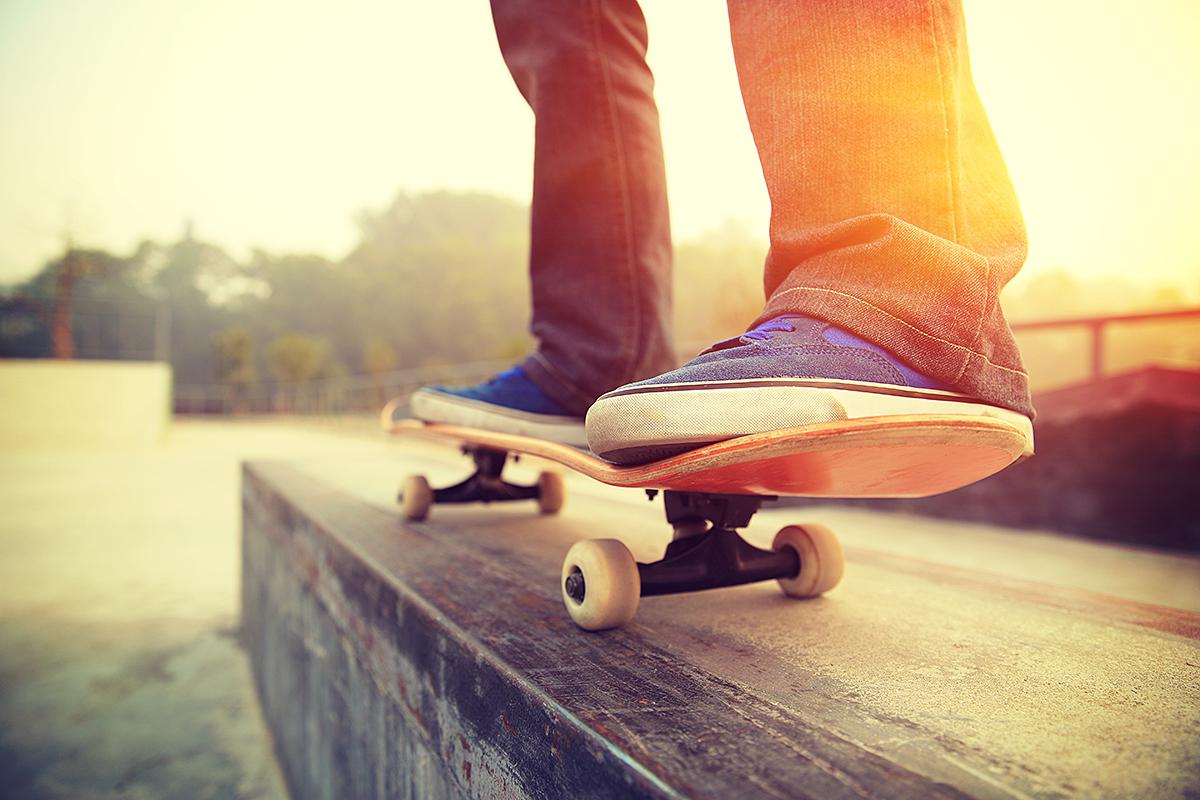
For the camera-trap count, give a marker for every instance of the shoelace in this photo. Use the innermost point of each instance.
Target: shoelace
(761, 333)
(764, 331)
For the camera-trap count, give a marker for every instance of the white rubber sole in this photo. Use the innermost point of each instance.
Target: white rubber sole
(645, 421)
(437, 407)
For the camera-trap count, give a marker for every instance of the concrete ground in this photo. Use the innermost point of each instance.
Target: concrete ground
(121, 673)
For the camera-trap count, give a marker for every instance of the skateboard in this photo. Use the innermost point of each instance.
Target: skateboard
(713, 491)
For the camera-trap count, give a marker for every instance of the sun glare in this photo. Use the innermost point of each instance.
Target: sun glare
(270, 125)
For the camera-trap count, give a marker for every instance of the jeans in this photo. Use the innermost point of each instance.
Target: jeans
(892, 213)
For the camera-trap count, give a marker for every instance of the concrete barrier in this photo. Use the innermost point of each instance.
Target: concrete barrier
(435, 660)
(51, 403)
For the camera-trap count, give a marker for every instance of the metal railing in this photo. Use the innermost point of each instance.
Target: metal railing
(1096, 327)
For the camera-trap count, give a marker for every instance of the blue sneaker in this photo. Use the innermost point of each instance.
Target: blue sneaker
(508, 403)
(788, 372)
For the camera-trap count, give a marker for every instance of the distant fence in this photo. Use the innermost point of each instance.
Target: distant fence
(352, 394)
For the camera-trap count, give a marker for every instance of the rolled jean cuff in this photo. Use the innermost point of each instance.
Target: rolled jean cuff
(573, 399)
(959, 366)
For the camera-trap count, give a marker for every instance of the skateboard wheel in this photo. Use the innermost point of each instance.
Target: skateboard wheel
(416, 497)
(600, 584)
(821, 560)
(551, 492)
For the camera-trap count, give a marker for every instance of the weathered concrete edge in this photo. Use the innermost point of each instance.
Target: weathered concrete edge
(410, 681)
(352, 566)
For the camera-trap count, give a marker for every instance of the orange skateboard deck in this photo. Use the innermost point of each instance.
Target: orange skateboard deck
(872, 457)
(711, 492)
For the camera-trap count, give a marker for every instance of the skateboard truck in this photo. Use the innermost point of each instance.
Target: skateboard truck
(485, 485)
(602, 583)
(701, 557)
(710, 558)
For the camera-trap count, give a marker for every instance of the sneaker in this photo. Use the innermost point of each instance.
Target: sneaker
(788, 372)
(508, 403)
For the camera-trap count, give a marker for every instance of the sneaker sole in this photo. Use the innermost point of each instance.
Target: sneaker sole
(437, 407)
(648, 423)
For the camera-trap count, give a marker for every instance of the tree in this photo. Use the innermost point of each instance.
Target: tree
(73, 267)
(295, 359)
(378, 356)
(235, 365)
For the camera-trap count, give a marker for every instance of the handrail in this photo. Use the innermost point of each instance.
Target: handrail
(1097, 324)
(1066, 322)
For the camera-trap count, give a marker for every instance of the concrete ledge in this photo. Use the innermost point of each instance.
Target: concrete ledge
(50, 403)
(390, 664)
(434, 659)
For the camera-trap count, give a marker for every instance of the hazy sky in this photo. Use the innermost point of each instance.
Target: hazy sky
(270, 123)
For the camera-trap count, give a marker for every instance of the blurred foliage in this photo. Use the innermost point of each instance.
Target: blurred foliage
(378, 356)
(434, 279)
(235, 356)
(295, 358)
(44, 308)
(235, 369)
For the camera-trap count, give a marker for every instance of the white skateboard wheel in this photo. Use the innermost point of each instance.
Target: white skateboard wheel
(551, 492)
(416, 497)
(600, 584)
(821, 560)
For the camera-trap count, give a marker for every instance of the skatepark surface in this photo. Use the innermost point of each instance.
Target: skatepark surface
(1000, 663)
(120, 664)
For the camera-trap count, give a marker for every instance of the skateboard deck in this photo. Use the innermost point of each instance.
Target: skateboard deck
(872, 457)
(711, 492)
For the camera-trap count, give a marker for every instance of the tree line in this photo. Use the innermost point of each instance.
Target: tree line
(433, 279)
(436, 278)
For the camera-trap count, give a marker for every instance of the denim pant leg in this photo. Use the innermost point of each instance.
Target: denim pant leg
(892, 213)
(600, 250)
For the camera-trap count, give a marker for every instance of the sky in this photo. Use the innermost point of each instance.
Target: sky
(272, 123)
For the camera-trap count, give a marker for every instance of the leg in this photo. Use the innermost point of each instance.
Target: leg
(892, 212)
(600, 250)
(893, 228)
(600, 254)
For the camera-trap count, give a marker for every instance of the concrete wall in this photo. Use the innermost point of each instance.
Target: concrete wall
(50, 403)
